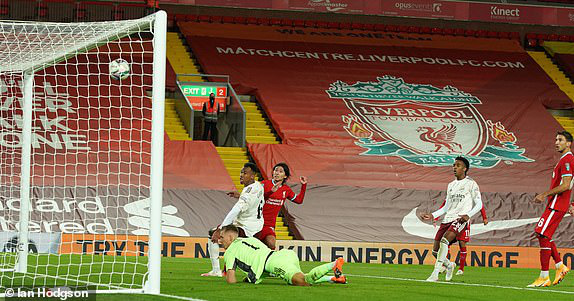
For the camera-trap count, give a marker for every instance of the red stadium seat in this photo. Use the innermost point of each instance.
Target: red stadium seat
(542, 36)
(391, 28)
(448, 31)
(414, 29)
(403, 28)
(481, 33)
(240, 20)
(322, 24)
(357, 26)
(228, 19)
(204, 18)
(263, 21)
(192, 18)
(426, 30)
(369, 27)
(459, 32)
(180, 17)
(503, 35)
(380, 27)
(436, 30)
(532, 42)
(553, 37)
(252, 20)
(563, 38)
(310, 23)
(492, 34)
(216, 19)
(345, 25)
(299, 23)
(287, 22)
(515, 35)
(470, 32)
(275, 21)
(333, 25)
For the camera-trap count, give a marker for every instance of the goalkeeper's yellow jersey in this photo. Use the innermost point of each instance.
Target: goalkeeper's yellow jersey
(248, 254)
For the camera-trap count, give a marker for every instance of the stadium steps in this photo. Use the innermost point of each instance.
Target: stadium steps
(567, 122)
(181, 59)
(257, 128)
(233, 159)
(281, 230)
(172, 123)
(553, 72)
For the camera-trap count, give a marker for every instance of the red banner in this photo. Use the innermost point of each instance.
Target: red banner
(456, 10)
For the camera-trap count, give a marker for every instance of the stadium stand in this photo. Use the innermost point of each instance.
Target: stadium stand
(326, 137)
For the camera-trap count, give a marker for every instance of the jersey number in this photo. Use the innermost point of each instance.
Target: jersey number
(259, 209)
(541, 222)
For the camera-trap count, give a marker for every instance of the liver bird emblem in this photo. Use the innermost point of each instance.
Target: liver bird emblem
(441, 138)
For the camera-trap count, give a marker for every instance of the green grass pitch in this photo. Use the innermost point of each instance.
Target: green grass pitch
(181, 278)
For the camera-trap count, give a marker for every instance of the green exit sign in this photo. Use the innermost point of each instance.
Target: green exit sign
(191, 90)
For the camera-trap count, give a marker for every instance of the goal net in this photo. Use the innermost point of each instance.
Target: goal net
(81, 154)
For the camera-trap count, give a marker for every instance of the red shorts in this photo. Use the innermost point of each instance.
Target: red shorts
(462, 230)
(266, 231)
(549, 222)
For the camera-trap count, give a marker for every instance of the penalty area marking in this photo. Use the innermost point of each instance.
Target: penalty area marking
(466, 284)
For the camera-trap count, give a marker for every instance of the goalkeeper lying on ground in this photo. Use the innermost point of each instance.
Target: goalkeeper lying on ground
(256, 259)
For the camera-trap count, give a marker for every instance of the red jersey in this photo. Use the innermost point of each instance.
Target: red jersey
(482, 211)
(561, 201)
(274, 200)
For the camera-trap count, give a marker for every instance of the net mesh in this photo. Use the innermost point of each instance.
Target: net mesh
(91, 149)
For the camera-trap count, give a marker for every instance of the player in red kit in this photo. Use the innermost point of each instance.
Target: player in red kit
(275, 194)
(558, 197)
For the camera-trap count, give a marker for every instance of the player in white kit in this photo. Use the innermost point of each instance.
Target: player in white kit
(246, 215)
(462, 202)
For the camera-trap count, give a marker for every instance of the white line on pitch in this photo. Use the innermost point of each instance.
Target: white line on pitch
(180, 297)
(466, 284)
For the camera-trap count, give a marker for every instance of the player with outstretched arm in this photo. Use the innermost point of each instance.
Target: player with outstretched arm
(463, 200)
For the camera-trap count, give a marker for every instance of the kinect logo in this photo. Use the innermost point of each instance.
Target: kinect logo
(496, 11)
(139, 212)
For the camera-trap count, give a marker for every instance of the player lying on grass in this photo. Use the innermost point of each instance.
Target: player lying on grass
(256, 259)
(461, 194)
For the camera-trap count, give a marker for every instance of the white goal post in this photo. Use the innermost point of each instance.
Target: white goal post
(81, 154)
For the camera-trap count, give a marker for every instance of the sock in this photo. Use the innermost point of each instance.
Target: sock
(318, 272)
(323, 279)
(462, 260)
(558, 265)
(554, 252)
(543, 274)
(441, 256)
(214, 255)
(545, 250)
